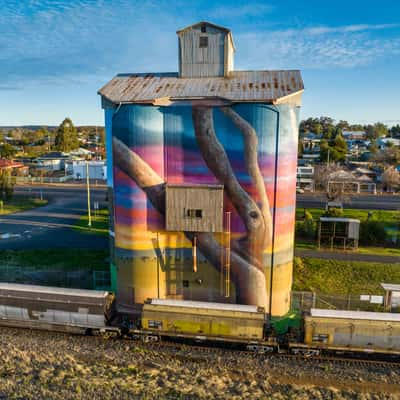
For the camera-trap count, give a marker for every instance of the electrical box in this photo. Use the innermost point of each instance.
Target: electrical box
(194, 208)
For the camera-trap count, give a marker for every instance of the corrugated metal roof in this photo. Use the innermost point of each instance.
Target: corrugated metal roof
(241, 86)
(366, 315)
(53, 290)
(207, 305)
(391, 287)
(222, 28)
(338, 219)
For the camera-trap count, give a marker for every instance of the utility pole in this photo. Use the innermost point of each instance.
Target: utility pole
(329, 150)
(88, 194)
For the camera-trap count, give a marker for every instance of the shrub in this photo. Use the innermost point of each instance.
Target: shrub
(334, 213)
(372, 232)
(306, 229)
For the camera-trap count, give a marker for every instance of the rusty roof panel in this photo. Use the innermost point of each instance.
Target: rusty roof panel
(241, 86)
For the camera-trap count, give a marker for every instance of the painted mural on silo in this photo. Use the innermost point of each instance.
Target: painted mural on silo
(250, 149)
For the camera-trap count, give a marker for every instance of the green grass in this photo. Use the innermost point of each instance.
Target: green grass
(99, 223)
(20, 203)
(342, 277)
(380, 251)
(57, 259)
(390, 218)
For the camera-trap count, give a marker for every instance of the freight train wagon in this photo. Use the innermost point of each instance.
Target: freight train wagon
(56, 309)
(351, 332)
(204, 320)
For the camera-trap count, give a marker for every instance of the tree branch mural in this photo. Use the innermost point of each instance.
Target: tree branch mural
(247, 269)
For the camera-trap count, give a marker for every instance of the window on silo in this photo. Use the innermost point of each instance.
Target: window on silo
(203, 28)
(203, 41)
(194, 213)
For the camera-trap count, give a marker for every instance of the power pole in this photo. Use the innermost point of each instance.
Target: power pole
(88, 194)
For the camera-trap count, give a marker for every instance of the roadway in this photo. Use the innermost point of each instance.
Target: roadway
(362, 201)
(50, 226)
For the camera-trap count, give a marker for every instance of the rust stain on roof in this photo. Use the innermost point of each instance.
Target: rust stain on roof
(252, 86)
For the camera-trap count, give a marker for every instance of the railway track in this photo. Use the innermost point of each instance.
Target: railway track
(187, 350)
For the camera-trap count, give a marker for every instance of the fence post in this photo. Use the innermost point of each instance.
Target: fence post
(348, 301)
(314, 299)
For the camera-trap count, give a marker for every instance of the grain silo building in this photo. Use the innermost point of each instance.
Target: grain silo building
(203, 178)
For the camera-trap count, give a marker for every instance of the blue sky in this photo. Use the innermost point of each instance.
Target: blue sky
(56, 54)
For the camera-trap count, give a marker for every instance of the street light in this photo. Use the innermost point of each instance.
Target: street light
(88, 193)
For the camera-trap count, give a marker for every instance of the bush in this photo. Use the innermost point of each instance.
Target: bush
(334, 213)
(306, 229)
(372, 232)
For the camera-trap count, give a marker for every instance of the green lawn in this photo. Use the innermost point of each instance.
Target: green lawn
(20, 203)
(382, 251)
(390, 218)
(57, 259)
(342, 277)
(99, 223)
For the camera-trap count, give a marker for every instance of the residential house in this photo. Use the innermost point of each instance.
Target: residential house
(53, 161)
(16, 168)
(305, 177)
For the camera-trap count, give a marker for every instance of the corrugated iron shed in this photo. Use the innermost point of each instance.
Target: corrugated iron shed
(240, 86)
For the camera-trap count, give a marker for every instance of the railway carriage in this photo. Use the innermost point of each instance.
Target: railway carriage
(54, 308)
(351, 332)
(204, 319)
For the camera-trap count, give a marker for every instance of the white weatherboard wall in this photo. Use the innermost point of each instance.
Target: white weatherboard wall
(97, 170)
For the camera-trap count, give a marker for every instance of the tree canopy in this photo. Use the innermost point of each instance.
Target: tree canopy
(66, 138)
(7, 151)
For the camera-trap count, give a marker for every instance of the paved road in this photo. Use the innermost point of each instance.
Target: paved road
(50, 226)
(364, 202)
(346, 256)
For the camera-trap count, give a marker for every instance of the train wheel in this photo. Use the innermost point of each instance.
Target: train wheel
(150, 338)
(259, 348)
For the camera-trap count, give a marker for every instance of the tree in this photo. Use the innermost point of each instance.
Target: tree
(395, 131)
(391, 178)
(380, 130)
(300, 149)
(66, 136)
(342, 124)
(335, 149)
(387, 157)
(373, 147)
(6, 184)
(7, 151)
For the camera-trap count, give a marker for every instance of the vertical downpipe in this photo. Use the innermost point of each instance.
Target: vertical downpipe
(271, 277)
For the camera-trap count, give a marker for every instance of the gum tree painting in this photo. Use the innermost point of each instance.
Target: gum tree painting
(247, 267)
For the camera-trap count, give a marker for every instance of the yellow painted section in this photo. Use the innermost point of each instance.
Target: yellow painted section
(281, 288)
(142, 278)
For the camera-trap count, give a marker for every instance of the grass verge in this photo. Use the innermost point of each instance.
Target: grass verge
(20, 203)
(342, 277)
(57, 259)
(379, 251)
(99, 223)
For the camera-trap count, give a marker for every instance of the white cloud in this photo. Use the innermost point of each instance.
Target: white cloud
(241, 11)
(316, 47)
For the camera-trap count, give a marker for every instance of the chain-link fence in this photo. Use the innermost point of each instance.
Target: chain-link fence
(304, 301)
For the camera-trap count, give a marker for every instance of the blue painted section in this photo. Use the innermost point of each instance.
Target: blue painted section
(108, 113)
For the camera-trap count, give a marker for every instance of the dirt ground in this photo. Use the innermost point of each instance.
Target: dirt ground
(43, 365)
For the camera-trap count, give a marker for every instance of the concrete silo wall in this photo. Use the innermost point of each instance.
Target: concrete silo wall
(161, 144)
